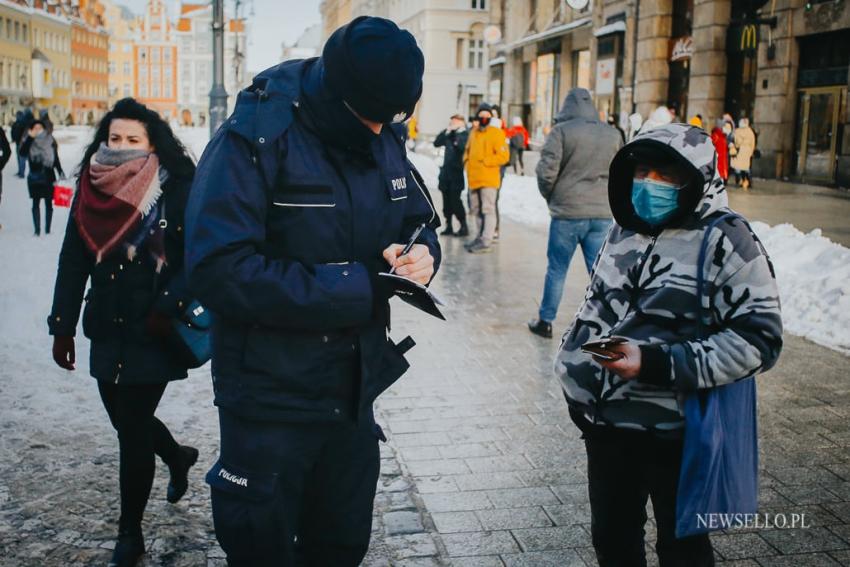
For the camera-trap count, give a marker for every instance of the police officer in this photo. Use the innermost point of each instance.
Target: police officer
(300, 200)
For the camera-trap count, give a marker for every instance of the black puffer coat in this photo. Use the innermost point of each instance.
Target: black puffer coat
(121, 298)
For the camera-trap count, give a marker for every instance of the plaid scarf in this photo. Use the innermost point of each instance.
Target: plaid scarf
(119, 204)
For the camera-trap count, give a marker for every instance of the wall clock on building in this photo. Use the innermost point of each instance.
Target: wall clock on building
(578, 5)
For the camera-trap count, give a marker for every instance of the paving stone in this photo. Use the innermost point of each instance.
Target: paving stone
(513, 518)
(519, 497)
(435, 484)
(488, 481)
(568, 514)
(560, 558)
(465, 450)
(428, 453)
(805, 560)
(437, 467)
(415, 545)
(420, 439)
(843, 557)
(741, 546)
(402, 522)
(559, 537)
(456, 501)
(803, 541)
(498, 464)
(480, 561)
(479, 543)
(451, 522)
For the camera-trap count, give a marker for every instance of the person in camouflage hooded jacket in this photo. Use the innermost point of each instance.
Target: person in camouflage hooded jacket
(643, 288)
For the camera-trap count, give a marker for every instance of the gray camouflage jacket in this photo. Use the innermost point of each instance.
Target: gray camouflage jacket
(643, 287)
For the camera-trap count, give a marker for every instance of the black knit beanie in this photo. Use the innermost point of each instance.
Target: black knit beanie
(376, 68)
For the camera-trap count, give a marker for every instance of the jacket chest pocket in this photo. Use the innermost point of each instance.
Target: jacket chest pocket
(304, 194)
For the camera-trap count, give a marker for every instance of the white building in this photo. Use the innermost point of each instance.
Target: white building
(307, 45)
(195, 61)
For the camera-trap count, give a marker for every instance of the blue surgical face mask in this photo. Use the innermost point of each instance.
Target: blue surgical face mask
(654, 201)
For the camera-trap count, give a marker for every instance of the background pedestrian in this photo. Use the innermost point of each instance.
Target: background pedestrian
(5, 155)
(42, 154)
(451, 181)
(125, 235)
(486, 152)
(744, 148)
(518, 139)
(572, 175)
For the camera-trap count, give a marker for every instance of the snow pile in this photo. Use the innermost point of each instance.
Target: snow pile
(814, 283)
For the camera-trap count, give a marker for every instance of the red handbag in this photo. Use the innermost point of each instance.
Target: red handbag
(63, 192)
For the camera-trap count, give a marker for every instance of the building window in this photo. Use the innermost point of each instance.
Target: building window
(17, 31)
(126, 89)
(166, 56)
(479, 4)
(143, 90)
(476, 53)
(155, 54)
(112, 67)
(156, 90)
(126, 67)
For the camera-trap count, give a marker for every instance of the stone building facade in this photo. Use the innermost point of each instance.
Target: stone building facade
(783, 65)
(193, 34)
(89, 62)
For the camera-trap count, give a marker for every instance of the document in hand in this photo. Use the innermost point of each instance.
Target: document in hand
(415, 294)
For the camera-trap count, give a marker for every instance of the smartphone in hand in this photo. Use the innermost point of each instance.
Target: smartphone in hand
(600, 349)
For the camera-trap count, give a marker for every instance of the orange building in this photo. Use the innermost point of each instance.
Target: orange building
(155, 56)
(89, 62)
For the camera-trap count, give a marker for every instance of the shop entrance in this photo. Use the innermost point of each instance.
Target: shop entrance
(819, 110)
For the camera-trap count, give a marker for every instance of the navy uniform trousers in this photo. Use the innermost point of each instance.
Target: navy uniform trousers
(306, 501)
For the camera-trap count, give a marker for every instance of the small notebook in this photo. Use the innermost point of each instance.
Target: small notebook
(415, 294)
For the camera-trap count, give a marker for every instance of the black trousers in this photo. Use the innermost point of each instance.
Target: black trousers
(294, 494)
(36, 214)
(140, 436)
(625, 468)
(452, 203)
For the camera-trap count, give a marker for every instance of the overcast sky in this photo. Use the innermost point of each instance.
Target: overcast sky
(274, 22)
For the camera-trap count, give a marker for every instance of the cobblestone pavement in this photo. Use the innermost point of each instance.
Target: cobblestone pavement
(483, 467)
(481, 426)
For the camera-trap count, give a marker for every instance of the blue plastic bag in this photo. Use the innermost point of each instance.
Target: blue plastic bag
(718, 479)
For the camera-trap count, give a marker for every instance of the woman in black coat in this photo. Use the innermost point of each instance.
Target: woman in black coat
(125, 235)
(41, 151)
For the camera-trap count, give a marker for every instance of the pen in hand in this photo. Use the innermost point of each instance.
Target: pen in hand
(410, 243)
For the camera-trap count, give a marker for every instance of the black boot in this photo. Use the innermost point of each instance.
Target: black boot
(179, 483)
(129, 548)
(464, 230)
(541, 328)
(448, 231)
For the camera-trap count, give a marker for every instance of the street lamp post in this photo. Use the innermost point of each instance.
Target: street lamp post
(218, 94)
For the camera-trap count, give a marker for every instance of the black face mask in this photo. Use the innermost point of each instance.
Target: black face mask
(484, 121)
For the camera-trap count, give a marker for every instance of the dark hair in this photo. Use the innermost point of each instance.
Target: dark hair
(171, 152)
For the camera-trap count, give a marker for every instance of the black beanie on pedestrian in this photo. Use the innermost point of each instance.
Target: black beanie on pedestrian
(376, 68)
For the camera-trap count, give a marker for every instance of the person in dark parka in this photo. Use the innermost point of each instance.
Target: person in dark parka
(42, 153)
(125, 235)
(451, 180)
(301, 198)
(5, 154)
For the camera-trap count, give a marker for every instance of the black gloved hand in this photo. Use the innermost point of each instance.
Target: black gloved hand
(63, 352)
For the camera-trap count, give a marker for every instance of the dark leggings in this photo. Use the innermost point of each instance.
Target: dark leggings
(36, 213)
(140, 436)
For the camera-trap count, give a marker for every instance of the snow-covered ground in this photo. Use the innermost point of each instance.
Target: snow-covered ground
(813, 272)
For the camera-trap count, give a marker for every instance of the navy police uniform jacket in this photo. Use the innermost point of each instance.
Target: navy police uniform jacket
(285, 232)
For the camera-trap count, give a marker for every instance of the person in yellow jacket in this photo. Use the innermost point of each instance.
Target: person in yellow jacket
(412, 133)
(486, 152)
